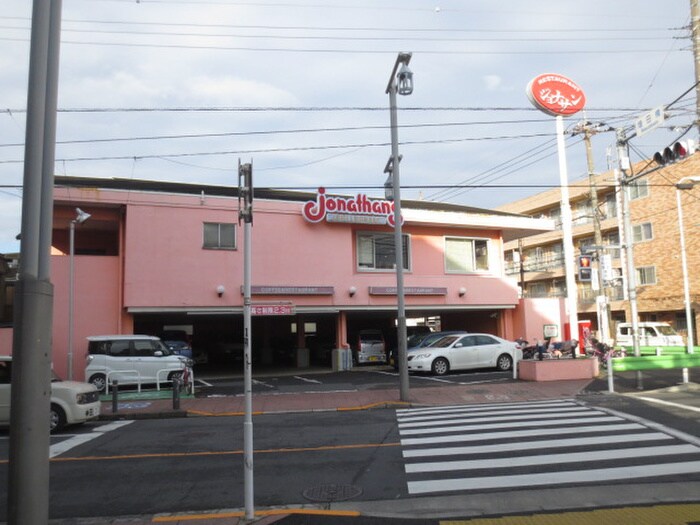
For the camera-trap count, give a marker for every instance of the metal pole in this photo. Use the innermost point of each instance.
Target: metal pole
(71, 297)
(686, 284)
(398, 245)
(245, 171)
(571, 295)
(28, 473)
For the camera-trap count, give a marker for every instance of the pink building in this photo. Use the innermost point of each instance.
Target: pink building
(156, 256)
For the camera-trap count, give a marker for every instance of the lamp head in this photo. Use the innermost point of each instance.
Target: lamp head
(404, 79)
(352, 291)
(81, 216)
(220, 290)
(462, 291)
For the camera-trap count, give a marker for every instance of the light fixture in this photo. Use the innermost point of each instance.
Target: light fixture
(352, 291)
(220, 290)
(462, 291)
(81, 217)
(404, 77)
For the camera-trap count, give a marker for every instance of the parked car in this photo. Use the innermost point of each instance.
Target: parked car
(369, 347)
(464, 351)
(420, 340)
(650, 334)
(131, 359)
(178, 347)
(72, 402)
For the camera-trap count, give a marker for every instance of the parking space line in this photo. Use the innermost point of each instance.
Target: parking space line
(308, 380)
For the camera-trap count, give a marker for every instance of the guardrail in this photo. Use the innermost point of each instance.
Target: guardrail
(115, 372)
(669, 357)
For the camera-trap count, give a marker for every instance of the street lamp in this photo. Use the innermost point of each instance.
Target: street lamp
(401, 81)
(80, 218)
(685, 183)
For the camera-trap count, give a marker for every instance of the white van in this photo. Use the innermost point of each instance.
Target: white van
(650, 334)
(131, 359)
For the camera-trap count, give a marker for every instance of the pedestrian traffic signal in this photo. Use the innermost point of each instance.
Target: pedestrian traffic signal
(675, 152)
(585, 268)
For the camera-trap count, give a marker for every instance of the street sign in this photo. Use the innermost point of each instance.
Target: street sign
(272, 309)
(649, 121)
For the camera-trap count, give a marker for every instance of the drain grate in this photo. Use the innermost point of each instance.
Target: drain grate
(331, 492)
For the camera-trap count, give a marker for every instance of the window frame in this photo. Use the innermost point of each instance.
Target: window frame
(475, 258)
(406, 245)
(643, 272)
(639, 232)
(219, 245)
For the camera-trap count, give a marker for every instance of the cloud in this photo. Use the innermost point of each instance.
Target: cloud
(492, 82)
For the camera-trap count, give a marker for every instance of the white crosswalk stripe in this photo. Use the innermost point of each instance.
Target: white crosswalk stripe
(510, 445)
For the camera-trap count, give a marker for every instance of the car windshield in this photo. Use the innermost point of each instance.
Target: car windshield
(445, 341)
(666, 330)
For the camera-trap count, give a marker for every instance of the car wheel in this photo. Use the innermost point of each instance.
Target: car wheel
(100, 382)
(57, 418)
(440, 366)
(504, 362)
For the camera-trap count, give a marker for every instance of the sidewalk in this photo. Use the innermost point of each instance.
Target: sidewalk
(270, 403)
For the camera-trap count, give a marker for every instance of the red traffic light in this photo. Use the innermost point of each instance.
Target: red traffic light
(678, 151)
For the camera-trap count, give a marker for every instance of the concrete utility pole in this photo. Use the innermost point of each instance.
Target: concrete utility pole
(602, 300)
(28, 487)
(695, 30)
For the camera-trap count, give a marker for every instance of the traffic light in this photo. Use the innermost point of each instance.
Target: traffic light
(585, 268)
(675, 152)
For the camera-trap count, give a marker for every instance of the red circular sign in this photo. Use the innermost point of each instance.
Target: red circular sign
(556, 95)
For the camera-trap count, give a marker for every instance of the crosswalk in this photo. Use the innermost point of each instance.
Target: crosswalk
(521, 445)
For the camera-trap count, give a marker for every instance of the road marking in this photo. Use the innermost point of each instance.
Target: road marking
(79, 439)
(519, 434)
(552, 459)
(493, 426)
(307, 380)
(553, 478)
(539, 445)
(484, 407)
(321, 448)
(472, 449)
(668, 403)
(258, 382)
(201, 381)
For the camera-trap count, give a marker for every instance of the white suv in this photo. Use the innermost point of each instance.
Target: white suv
(72, 402)
(131, 359)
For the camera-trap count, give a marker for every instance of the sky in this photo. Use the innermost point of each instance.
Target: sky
(181, 90)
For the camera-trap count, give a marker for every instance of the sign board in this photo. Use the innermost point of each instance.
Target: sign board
(550, 330)
(556, 95)
(649, 121)
(271, 309)
(355, 210)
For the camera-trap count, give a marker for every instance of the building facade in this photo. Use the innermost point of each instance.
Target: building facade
(537, 261)
(157, 257)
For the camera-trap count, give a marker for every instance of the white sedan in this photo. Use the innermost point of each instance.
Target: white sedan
(72, 402)
(464, 351)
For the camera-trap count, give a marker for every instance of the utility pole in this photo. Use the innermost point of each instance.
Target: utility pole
(28, 479)
(695, 30)
(624, 161)
(601, 300)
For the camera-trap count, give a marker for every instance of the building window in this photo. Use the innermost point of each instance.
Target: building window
(219, 236)
(464, 255)
(610, 206)
(375, 251)
(642, 232)
(646, 275)
(639, 189)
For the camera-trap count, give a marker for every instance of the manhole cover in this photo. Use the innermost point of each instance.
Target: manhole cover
(331, 492)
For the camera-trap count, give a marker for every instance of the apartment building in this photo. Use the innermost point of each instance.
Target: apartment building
(538, 261)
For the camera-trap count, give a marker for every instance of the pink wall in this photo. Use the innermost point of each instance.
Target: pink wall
(5, 341)
(533, 314)
(97, 307)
